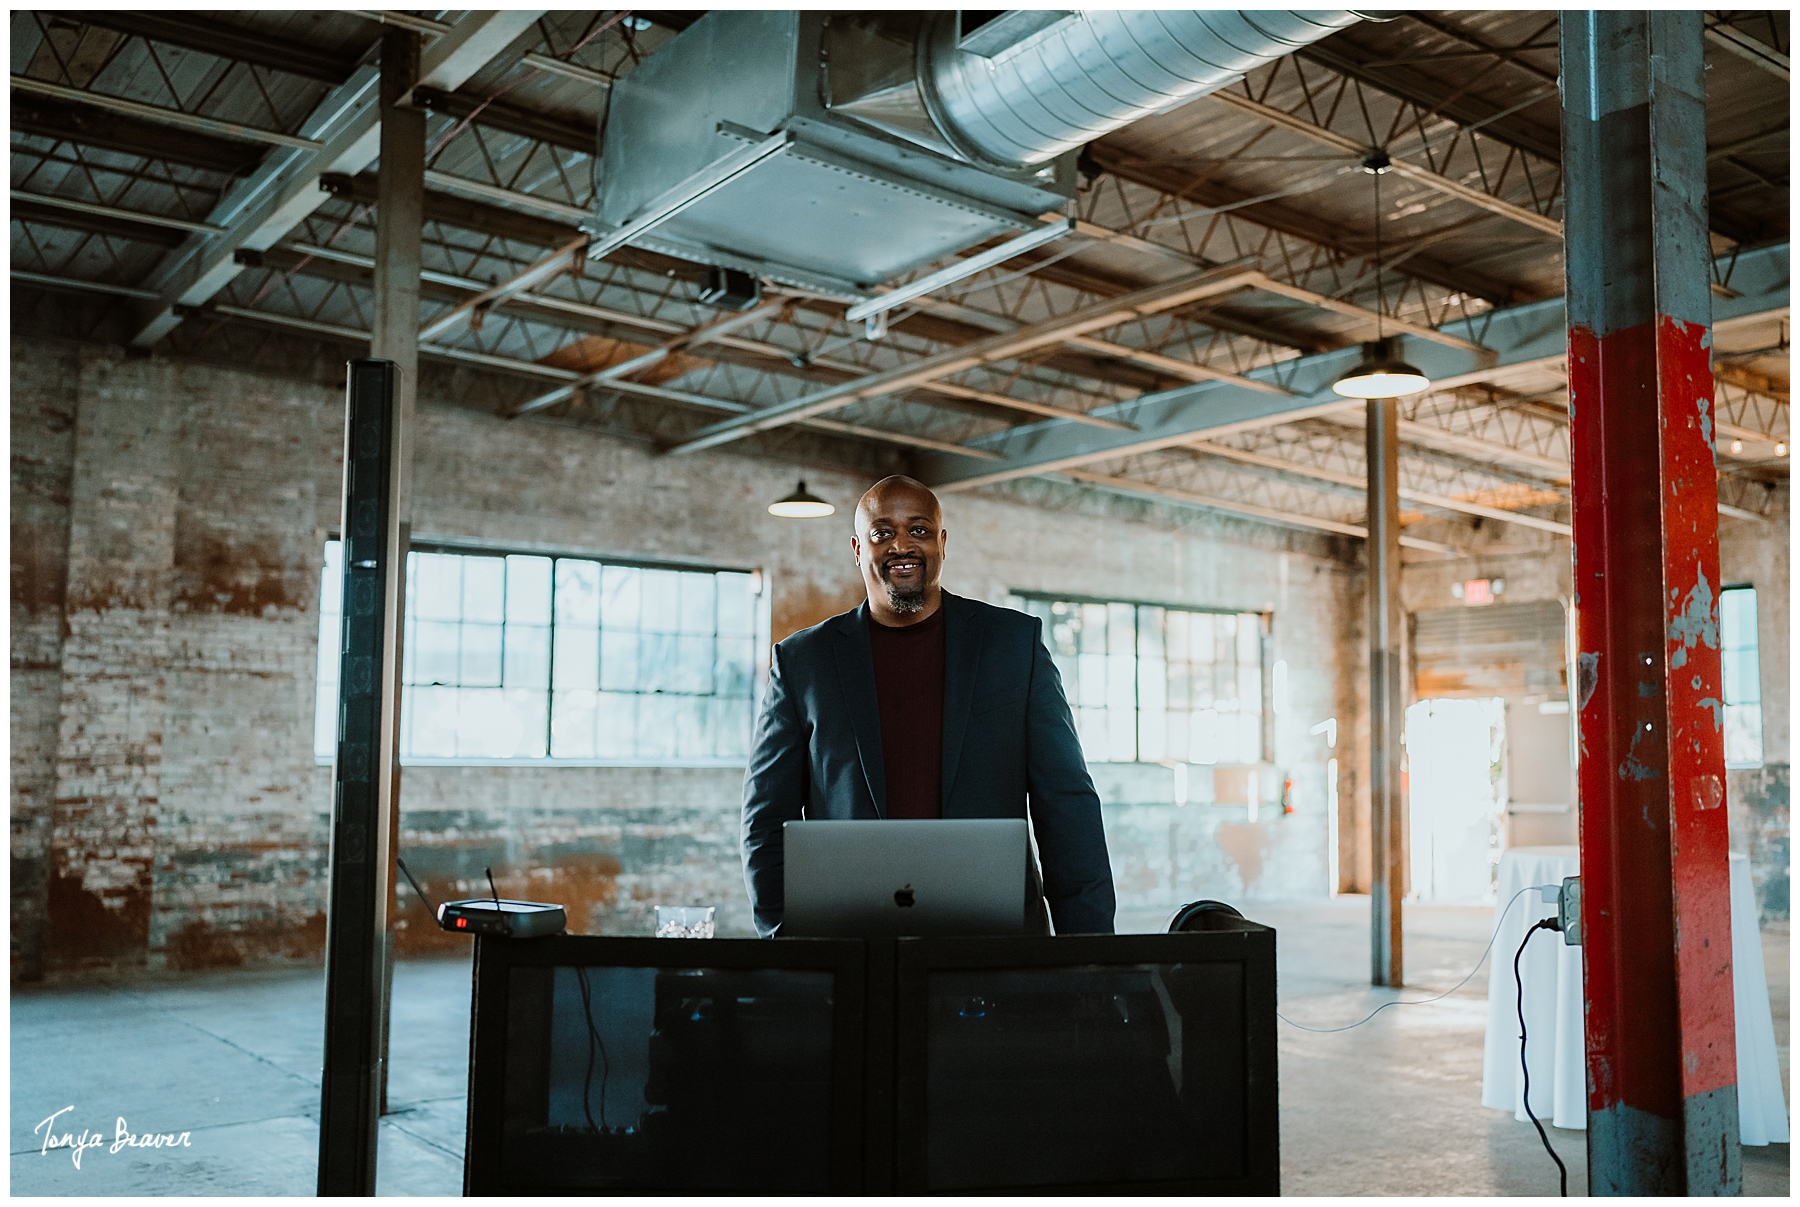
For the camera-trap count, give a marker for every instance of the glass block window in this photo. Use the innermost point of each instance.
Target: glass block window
(1743, 679)
(1150, 684)
(561, 659)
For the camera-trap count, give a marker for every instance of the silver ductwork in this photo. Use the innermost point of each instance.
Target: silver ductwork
(894, 139)
(1091, 72)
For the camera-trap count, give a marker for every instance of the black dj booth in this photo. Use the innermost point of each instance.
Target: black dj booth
(1072, 1064)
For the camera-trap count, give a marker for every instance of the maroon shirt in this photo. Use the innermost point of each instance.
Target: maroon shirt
(909, 693)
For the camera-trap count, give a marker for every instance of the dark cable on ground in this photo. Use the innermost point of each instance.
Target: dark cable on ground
(1542, 924)
(594, 1040)
(1424, 1000)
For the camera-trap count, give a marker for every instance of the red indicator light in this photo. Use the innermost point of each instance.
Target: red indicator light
(462, 923)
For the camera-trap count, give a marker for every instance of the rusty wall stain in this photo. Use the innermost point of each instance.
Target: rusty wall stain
(199, 945)
(800, 606)
(85, 929)
(216, 573)
(1247, 845)
(40, 560)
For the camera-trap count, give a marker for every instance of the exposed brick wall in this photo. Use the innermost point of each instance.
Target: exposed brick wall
(43, 457)
(167, 703)
(1757, 553)
(115, 663)
(1750, 551)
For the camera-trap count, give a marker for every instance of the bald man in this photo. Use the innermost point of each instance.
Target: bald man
(921, 704)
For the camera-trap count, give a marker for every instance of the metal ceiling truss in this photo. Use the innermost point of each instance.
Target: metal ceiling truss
(1448, 484)
(1030, 366)
(1332, 271)
(1163, 477)
(1427, 148)
(266, 207)
(1529, 337)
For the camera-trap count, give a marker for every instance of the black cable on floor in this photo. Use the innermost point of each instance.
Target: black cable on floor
(1543, 924)
(594, 1041)
(1422, 1000)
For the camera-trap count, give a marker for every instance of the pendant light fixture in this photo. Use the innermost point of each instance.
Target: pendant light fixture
(1381, 372)
(801, 505)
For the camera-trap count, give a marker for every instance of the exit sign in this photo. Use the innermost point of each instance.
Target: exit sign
(1478, 591)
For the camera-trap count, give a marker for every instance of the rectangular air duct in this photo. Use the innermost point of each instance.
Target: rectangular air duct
(865, 190)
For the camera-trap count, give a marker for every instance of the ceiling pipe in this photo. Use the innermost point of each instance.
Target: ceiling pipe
(1092, 72)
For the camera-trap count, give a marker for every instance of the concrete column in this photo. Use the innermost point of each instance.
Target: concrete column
(1656, 917)
(1387, 697)
(399, 226)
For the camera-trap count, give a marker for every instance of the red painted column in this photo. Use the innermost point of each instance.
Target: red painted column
(1661, 1047)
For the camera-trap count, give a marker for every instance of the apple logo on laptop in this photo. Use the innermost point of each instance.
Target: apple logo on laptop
(904, 897)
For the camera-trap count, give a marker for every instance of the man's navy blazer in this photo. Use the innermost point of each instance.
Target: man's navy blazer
(1009, 739)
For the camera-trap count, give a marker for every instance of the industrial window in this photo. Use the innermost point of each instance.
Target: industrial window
(1150, 684)
(561, 659)
(1743, 682)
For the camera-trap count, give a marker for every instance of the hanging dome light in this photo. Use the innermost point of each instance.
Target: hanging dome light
(801, 506)
(1382, 374)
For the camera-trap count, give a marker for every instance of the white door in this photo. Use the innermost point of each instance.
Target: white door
(1456, 779)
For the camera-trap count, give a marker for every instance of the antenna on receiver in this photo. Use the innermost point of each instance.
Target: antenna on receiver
(415, 884)
(492, 889)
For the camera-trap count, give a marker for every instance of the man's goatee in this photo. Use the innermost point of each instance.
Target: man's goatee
(906, 602)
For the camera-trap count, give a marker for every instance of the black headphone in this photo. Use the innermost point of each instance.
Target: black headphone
(1199, 915)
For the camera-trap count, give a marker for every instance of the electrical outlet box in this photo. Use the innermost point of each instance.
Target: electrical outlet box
(1568, 910)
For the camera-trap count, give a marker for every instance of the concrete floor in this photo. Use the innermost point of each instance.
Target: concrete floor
(1391, 1108)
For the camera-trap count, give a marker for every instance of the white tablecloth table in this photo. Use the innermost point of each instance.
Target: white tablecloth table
(1551, 972)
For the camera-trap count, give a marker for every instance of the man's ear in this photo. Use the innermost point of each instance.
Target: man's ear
(856, 550)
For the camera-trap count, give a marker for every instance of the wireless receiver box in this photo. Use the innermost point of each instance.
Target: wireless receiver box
(508, 919)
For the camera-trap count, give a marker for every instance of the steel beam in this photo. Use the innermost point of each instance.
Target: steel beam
(563, 259)
(399, 237)
(1351, 310)
(1387, 697)
(159, 114)
(1274, 216)
(1534, 334)
(508, 197)
(1135, 486)
(79, 286)
(437, 29)
(680, 343)
(113, 211)
(1401, 167)
(1170, 366)
(1426, 498)
(694, 189)
(510, 119)
(192, 32)
(532, 369)
(286, 190)
(91, 126)
(1725, 36)
(92, 222)
(998, 347)
(466, 214)
(374, 568)
(1656, 911)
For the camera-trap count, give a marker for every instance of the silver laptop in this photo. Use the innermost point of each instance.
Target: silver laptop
(858, 879)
